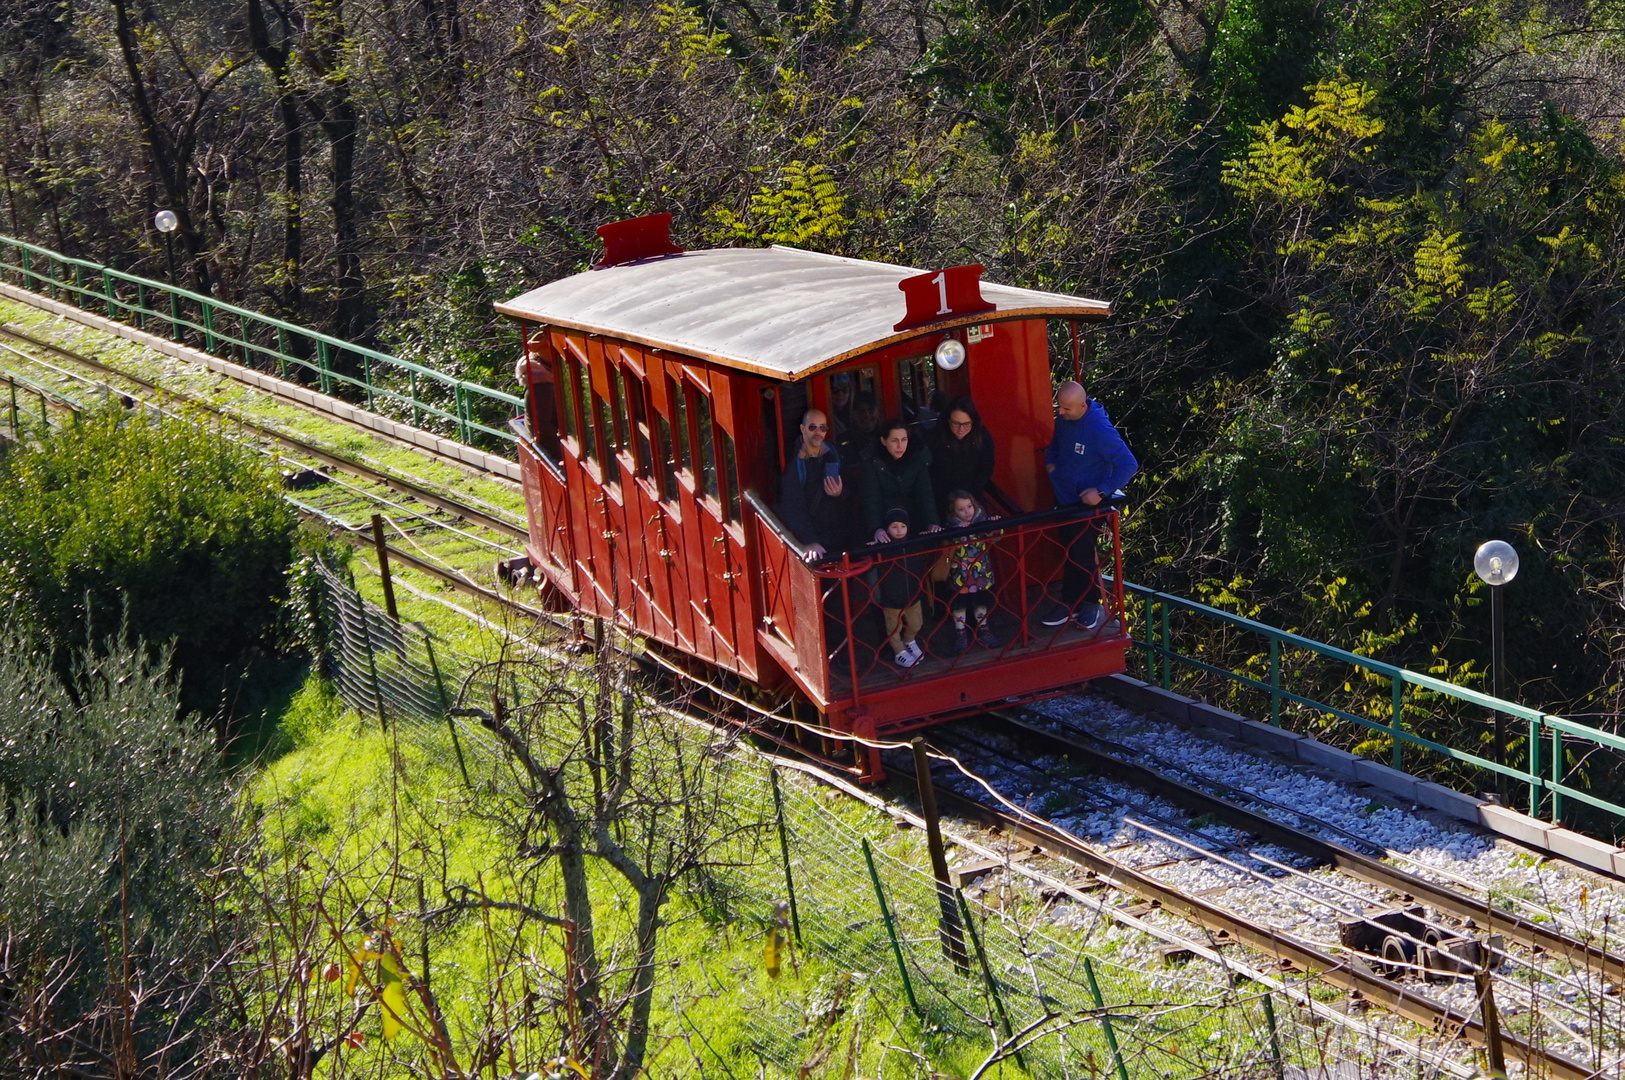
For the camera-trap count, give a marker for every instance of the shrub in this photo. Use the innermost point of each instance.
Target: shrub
(114, 810)
(165, 527)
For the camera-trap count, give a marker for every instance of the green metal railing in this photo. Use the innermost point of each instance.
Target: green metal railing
(1548, 743)
(468, 410)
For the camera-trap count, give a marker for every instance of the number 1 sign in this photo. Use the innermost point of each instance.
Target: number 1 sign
(943, 294)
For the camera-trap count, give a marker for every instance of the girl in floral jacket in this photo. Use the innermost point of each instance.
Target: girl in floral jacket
(970, 571)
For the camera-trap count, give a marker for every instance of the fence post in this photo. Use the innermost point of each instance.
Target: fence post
(281, 353)
(1275, 1038)
(174, 314)
(1396, 722)
(953, 938)
(28, 267)
(891, 930)
(78, 286)
(383, 566)
(1275, 681)
(366, 373)
(13, 384)
(784, 852)
(412, 385)
(462, 412)
(141, 305)
(987, 972)
(372, 665)
(1105, 1021)
(445, 705)
(1490, 1018)
(107, 292)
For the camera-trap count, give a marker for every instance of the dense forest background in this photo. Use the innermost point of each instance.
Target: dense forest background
(1366, 254)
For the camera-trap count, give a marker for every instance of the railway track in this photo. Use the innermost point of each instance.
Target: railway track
(448, 536)
(418, 510)
(1179, 854)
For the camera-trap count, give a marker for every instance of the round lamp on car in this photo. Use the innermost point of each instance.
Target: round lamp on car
(165, 221)
(1495, 562)
(950, 354)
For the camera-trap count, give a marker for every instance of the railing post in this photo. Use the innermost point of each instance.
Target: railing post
(1396, 721)
(1167, 650)
(1535, 780)
(324, 365)
(462, 412)
(1275, 681)
(78, 286)
(107, 292)
(412, 385)
(366, 373)
(281, 353)
(174, 314)
(140, 305)
(891, 930)
(28, 267)
(208, 327)
(1557, 776)
(13, 384)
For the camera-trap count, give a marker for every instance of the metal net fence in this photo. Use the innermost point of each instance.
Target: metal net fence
(1055, 985)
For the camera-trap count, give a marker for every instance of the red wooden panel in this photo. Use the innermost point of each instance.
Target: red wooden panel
(1010, 383)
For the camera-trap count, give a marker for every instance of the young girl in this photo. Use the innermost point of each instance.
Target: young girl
(970, 570)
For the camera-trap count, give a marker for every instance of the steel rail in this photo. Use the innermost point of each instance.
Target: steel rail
(1356, 864)
(354, 468)
(1353, 975)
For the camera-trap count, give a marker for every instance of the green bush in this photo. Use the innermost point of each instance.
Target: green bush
(114, 811)
(164, 527)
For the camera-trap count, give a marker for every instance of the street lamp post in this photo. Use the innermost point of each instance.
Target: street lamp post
(1496, 563)
(166, 222)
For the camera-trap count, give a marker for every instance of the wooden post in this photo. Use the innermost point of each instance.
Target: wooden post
(1488, 1015)
(953, 936)
(383, 566)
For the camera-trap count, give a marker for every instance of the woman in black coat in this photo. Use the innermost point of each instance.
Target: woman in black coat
(961, 454)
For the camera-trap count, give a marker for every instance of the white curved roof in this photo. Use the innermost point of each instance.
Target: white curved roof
(780, 312)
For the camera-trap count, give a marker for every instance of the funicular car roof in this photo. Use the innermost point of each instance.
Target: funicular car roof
(780, 312)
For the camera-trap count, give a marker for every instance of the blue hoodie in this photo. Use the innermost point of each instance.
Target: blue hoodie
(1088, 453)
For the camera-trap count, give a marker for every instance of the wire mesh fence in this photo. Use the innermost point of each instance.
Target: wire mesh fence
(1060, 989)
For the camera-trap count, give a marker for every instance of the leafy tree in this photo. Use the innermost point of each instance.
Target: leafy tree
(166, 528)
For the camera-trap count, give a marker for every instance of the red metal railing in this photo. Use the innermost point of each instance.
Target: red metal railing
(841, 649)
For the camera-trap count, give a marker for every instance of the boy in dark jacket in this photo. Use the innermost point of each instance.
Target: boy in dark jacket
(898, 590)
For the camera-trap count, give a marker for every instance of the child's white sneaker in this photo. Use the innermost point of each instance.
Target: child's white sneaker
(909, 656)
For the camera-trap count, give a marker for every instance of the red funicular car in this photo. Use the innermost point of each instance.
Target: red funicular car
(665, 390)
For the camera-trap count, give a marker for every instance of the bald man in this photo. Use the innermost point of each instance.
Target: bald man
(1088, 462)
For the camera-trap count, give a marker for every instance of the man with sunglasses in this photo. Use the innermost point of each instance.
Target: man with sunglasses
(811, 486)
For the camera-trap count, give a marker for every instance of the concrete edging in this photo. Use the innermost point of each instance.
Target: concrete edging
(1552, 839)
(281, 388)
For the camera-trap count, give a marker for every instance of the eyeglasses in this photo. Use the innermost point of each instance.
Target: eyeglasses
(961, 425)
(816, 427)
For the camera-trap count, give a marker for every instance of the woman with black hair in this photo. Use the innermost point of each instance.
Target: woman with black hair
(961, 454)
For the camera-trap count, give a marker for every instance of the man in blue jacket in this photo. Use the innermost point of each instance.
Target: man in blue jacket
(1088, 462)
